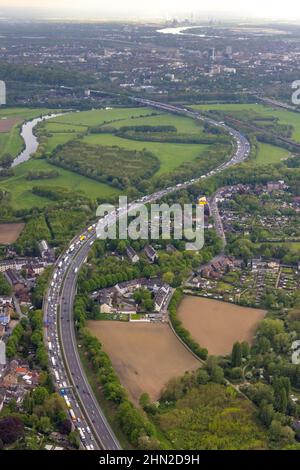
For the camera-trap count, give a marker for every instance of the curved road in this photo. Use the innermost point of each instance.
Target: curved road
(70, 378)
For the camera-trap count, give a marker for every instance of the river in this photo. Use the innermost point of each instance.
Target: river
(183, 30)
(30, 140)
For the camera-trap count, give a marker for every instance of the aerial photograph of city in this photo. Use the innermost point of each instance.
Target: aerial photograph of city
(149, 230)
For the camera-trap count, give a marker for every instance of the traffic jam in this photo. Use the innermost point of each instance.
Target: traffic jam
(53, 344)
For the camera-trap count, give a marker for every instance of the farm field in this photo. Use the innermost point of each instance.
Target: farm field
(217, 325)
(9, 233)
(269, 154)
(284, 116)
(7, 124)
(144, 355)
(20, 187)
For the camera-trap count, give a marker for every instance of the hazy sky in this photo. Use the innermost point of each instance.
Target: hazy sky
(277, 9)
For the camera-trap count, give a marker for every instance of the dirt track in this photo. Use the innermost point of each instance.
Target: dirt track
(217, 325)
(145, 355)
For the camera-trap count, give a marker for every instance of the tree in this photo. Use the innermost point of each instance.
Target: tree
(217, 375)
(65, 426)
(261, 393)
(5, 288)
(11, 429)
(236, 355)
(245, 349)
(266, 413)
(262, 345)
(202, 377)
(282, 389)
(281, 435)
(168, 277)
(39, 395)
(144, 400)
(6, 160)
(122, 246)
(28, 404)
(74, 439)
(282, 342)
(281, 401)
(45, 425)
(270, 328)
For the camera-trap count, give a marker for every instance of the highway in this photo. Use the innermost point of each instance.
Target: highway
(68, 373)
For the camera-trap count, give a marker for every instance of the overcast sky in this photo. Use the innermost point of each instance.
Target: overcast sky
(277, 9)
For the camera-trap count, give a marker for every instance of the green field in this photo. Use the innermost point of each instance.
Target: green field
(11, 142)
(183, 124)
(56, 127)
(294, 246)
(66, 128)
(59, 138)
(100, 116)
(170, 155)
(284, 116)
(24, 113)
(269, 154)
(20, 188)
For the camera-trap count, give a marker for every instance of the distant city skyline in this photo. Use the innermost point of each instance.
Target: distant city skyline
(135, 9)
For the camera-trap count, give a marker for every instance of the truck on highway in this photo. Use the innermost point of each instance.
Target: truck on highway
(53, 361)
(67, 401)
(50, 346)
(72, 414)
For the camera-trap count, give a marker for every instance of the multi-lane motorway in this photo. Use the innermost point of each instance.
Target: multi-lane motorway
(68, 373)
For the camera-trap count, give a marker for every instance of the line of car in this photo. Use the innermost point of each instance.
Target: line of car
(60, 376)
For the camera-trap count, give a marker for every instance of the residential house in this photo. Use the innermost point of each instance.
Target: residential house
(132, 255)
(150, 253)
(161, 297)
(46, 252)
